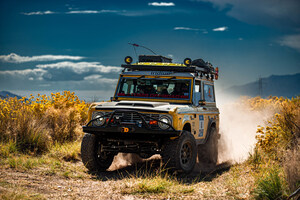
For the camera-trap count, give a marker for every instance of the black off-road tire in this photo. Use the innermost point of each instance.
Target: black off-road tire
(208, 152)
(181, 153)
(92, 157)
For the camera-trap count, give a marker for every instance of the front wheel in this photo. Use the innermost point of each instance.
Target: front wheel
(93, 158)
(180, 153)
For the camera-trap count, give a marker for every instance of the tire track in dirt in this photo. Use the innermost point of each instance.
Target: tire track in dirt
(104, 185)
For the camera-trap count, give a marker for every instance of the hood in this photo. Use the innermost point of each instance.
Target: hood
(138, 105)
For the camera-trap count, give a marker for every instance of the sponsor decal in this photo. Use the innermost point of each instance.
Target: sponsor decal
(125, 130)
(160, 73)
(201, 125)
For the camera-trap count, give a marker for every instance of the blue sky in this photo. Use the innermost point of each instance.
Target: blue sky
(79, 45)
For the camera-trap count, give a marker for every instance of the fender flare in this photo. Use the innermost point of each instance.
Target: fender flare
(185, 123)
(212, 122)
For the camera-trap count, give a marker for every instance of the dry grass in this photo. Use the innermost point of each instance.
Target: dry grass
(62, 160)
(40, 158)
(67, 152)
(291, 168)
(155, 181)
(51, 176)
(10, 191)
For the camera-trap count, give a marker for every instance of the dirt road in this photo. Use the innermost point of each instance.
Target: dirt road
(38, 184)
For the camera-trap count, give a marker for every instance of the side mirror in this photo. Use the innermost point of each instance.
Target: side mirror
(202, 102)
(113, 99)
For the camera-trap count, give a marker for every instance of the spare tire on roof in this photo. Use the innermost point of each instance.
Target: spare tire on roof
(200, 63)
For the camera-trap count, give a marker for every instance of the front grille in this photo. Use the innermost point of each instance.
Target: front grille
(133, 117)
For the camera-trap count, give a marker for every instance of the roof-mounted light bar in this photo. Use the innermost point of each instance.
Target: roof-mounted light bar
(157, 63)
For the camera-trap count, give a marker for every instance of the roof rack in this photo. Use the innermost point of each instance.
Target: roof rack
(174, 68)
(154, 58)
(155, 63)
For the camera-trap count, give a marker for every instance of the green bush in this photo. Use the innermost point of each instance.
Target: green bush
(271, 186)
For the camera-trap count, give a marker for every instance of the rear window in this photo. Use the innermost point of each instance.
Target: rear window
(209, 94)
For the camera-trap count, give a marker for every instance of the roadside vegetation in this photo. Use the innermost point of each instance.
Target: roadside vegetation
(34, 125)
(41, 137)
(276, 157)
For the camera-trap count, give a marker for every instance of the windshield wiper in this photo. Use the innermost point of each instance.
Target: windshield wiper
(141, 77)
(174, 77)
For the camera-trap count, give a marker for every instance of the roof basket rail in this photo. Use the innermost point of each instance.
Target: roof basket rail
(161, 63)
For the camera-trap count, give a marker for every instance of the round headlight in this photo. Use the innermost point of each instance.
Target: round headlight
(100, 121)
(165, 119)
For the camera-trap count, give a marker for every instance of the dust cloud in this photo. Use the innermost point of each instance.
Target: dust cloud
(122, 160)
(238, 125)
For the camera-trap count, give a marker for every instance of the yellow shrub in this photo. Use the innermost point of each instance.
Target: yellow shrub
(272, 103)
(34, 123)
(282, 131)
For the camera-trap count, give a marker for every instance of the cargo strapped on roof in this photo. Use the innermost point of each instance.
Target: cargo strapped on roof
(182, 68)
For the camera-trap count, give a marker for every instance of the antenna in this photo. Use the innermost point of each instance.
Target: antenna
(136, 45)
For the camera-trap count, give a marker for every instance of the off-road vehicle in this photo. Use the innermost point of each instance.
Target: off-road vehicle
(159, 107)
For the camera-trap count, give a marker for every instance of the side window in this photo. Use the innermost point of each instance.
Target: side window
(197, 94)
(197, 86)
(209, 94)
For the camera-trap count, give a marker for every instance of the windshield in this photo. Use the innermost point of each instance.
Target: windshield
(154, 88)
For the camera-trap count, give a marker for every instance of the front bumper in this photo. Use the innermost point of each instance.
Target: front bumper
(120, 129)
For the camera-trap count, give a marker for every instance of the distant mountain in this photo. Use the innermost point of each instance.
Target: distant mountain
(6, 94)
(275, 85)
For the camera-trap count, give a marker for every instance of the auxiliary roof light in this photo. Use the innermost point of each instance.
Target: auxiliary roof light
(217, 73)
(187, 62)
(128, 60)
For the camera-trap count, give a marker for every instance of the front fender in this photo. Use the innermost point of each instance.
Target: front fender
(212, 122)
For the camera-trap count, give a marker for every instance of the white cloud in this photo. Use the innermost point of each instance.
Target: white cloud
(92, 77)
(131, 13)
(109, 81)
(292, 41)
(62, 75)
(15, 58)
(128, 13)
(139, 13)
(224, 28)
(186, 28)
(48, 12)
(99, 79)
(161, 4)
(83, 12)
(109, 11)
(91, 11)
(26, 74)
(204, 31)
(81, 67)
